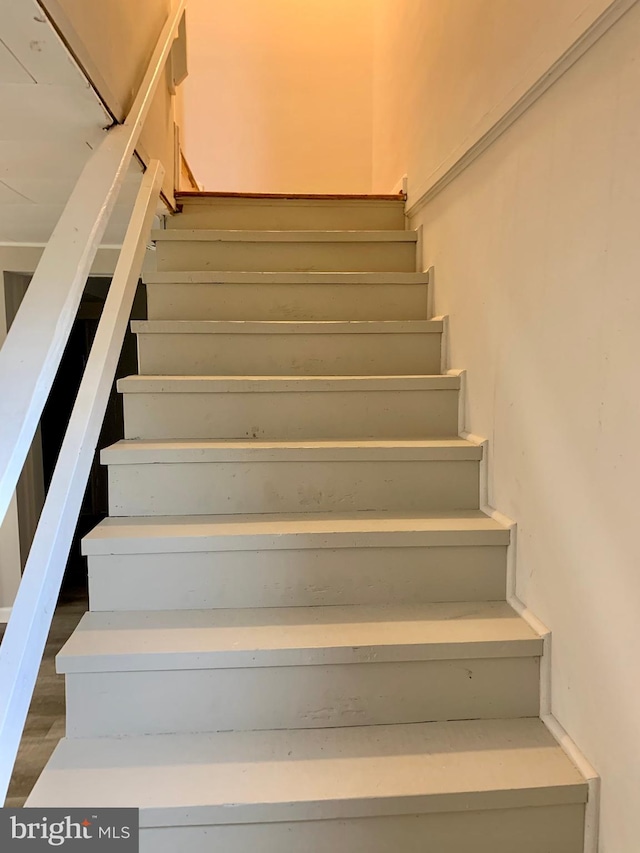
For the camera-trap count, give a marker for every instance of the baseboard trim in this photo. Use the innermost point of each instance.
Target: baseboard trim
(444, 346)
(430, 291)
(5, 613)
(497, 121)
(569, 747)
(592, 810)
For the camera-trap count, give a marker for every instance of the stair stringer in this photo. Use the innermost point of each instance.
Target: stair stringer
(566, 743)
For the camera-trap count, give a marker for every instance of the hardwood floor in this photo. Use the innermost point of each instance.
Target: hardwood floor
(46, 720)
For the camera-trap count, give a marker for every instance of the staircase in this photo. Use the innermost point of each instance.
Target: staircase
(298, 637)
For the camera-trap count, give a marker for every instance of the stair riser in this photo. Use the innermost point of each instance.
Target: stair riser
(289, 355)
(288, 215)
(553, 829)
(299, 697)
(292, 416)
(210, 488)
(184, 301)
(296, 578)
(360, 256)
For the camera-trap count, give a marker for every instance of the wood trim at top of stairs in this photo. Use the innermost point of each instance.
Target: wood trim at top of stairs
(188, 194)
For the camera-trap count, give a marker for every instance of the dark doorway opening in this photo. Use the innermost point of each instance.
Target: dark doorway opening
(55, 419)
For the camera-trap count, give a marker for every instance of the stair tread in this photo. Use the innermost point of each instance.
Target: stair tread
(310, 236)
(244, 777)
(145, 534)
(287, 636)
(147, 451)
(287, 327)
(284, 277)
(245, 384)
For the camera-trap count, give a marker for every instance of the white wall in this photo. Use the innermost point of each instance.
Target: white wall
(536, 249)
(444, 72)
(278, 97)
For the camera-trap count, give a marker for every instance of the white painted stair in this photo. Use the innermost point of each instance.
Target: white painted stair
(210, 477)
(290, 296)
(228, 347)
(303, 407)
(295, 560)
(481, 786)
(287, 668)
(300, 251)
(298, 637)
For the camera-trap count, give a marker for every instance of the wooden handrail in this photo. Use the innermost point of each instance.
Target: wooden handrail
(31, 353)
(24, 641)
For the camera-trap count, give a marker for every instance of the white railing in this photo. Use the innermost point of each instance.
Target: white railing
(31, 353)
(29, 360)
